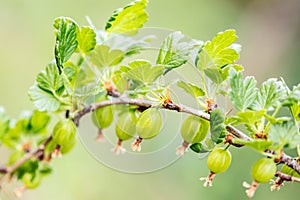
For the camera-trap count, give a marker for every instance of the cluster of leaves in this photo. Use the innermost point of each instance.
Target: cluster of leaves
(87, 72)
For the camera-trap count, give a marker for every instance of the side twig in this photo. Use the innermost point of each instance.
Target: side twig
(26, 157)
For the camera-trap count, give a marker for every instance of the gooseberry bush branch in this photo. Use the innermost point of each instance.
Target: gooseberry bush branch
(96, 71)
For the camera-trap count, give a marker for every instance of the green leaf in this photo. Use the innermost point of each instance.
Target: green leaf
(246, 117)
(50, 80)
(218, 52)
(86, 39)
(143, 72)
(271, 92)
(43, 100)
(285, 134)
(242, 92)
(190, 88)
(103, 56)
(129, 19)
(258, 145)
(66, 40)
(217, 125)
(174, 52)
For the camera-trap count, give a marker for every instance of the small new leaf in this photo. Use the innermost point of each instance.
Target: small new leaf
(242, 92)
(143, 72)
(66, 40)
(103, 56)
(174, 52)
(258, 145)
(50, 80)
(129, 19)
(249, 117)
(190, 88)
(217, 126)
(86, 39)
(216, 54)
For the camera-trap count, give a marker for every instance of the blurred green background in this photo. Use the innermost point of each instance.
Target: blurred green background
(269, 33)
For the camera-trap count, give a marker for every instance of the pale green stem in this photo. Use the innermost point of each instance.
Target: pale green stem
(274, 115)
(215, 92)
(261, 126)
(61, 100)
(203, 84)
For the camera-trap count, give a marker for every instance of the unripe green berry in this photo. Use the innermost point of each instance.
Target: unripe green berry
(149, 123)
(64, 132)
(263, 170)
(126, 126)
(194, 129)
(219, 160)
(103, 116)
